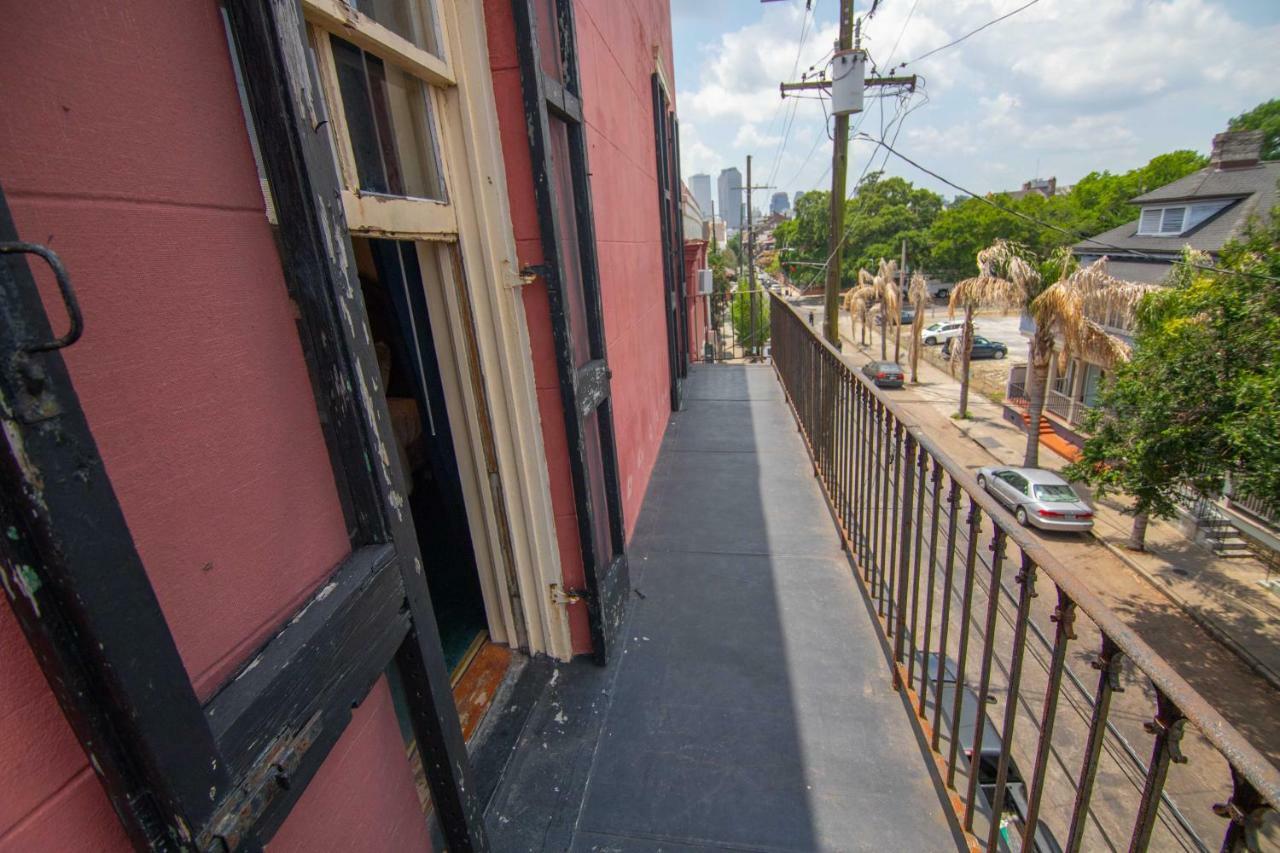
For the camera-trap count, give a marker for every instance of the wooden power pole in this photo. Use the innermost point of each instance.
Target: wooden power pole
(839, 171)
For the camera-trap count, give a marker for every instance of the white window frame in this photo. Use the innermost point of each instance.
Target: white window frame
(1164, 214)
(480, 316)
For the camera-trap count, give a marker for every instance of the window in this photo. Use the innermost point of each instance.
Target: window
(388, 120)
(408, 19)
(1160, 221)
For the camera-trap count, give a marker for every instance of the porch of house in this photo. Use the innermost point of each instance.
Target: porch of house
(750, 706)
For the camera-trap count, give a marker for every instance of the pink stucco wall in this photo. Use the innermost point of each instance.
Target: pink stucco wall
(123, 147)
(617, 41)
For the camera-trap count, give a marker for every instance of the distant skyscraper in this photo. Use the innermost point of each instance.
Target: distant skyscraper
(729, 191)
(779, 203)
(795, 200)
(700, 186)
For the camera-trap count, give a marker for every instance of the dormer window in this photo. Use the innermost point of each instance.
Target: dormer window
(1177, 219)
(1159, 221)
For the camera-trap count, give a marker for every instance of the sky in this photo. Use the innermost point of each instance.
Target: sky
(1063, 88)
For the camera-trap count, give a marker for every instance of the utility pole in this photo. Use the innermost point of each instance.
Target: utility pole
(849, 55)
(839, 167)
(751, 268)
(749, 249)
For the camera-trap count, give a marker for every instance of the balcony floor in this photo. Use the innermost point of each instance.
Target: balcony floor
(751, 706)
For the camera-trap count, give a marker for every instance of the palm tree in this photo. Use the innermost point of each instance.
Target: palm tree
(1066, 317)
(1004, 279)
(918, 297)
(858, 300)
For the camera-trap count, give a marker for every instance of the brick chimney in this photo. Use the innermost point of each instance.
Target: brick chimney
(1237, 149)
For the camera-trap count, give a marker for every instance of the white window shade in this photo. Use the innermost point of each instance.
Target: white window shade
(1150, 221)
(1173, 219)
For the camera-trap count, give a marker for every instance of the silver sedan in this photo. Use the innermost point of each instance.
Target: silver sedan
(1037, 497)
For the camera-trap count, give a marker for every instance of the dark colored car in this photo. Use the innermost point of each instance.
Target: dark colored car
(1013, 810)
(982, 348)
(885, 374)
(908, 315)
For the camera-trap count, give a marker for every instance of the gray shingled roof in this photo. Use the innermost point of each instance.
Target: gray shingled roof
(1256, 187)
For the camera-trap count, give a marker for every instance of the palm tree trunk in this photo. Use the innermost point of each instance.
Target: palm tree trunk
(915, 352)
(897, 340)
(884, 342)
(1138, 535)
(966, 345)
(1037, 380)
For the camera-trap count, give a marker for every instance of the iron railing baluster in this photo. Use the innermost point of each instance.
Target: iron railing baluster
(1064, 617)
(984, 675)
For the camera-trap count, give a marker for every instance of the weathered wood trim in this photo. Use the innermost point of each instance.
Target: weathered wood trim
(521, 487)
(364, 32)
(537, 118)
(561, 101)
(79, 591)
(396, 218)
(591, 386)
(317, 258)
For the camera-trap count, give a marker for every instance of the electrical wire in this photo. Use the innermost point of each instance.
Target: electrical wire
(971, 33)
(1128, 253)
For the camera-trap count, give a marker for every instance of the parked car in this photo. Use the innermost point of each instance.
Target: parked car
(1037, 497)
(982, 348)
(936, 333)
(1013, 811)
(885, 374)
(908, 315)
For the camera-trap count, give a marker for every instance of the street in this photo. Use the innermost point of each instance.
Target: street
(1241, 695)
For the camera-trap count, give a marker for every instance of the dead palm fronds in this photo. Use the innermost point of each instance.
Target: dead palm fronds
(859, 299)
(918, 298)
(1004, 281)
(886, 284)
(1072, 318)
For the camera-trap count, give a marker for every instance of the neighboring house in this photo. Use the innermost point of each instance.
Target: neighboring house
(374, 373)
(1047, 187)
(1204, 211)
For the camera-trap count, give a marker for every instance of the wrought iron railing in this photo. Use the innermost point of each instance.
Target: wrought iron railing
(932, 555)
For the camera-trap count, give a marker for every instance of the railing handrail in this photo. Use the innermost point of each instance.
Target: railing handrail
(1238, 752)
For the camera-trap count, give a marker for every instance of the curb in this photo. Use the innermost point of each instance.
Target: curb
(1208, 624)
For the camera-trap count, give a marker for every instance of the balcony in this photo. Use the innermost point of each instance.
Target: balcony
(790, 636)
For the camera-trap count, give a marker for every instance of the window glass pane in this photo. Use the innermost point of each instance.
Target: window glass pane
(1150, 222)
(414, 20)
(549, 39)
(572, 286)
(389, 122)
(1173, 219)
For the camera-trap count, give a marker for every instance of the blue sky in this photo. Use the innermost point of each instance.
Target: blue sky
(1061, 89)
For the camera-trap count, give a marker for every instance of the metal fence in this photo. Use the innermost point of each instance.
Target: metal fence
(1122, 752)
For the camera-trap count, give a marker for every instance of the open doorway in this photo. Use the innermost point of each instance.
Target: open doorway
(393, 282)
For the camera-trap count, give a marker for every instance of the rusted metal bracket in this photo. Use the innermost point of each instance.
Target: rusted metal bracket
(26, 380)
(531, 273)
(564, 597)
(272, 774)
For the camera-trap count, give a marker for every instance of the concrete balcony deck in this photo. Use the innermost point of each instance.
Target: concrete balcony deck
(751, 707)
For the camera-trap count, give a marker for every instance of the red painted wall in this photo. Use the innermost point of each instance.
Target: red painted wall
(616, 49)
(122, 145)
(695, 258)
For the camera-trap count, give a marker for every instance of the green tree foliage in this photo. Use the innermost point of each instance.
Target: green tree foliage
(881, 213)
(750, 335)
(1097, 203)
(1264, 117)
(1200, 400)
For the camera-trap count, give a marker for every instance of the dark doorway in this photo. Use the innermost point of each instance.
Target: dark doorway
(392, 280)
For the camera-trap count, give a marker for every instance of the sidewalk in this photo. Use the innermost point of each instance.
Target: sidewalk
(1226, 597)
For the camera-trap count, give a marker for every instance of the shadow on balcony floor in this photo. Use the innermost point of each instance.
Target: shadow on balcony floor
(751, 706)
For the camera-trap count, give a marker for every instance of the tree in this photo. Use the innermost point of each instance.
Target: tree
(880, 289)
(1264, 117)
(1200, 399)
(1003, 281)
(1073, 310)
(918, 297)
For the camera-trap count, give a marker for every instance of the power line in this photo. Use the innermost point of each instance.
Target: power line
(902, 31)
(971, 33)
(809, 16)
(1130, 253)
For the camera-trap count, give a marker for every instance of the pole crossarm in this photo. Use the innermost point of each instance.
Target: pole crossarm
(908, 83)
